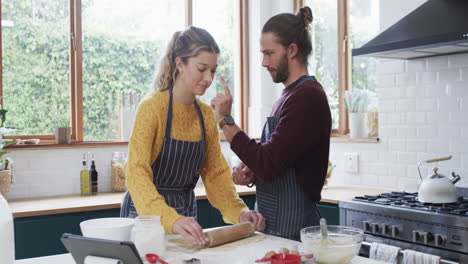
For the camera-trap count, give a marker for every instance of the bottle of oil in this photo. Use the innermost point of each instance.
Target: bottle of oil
(94, 176)
(85, 179)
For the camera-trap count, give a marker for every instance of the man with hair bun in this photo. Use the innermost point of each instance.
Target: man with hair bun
(289, 164)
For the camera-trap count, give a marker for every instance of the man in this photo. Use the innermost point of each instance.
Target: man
(289, 165)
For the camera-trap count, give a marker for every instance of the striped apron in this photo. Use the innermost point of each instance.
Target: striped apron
(175, 171)
(285, 206)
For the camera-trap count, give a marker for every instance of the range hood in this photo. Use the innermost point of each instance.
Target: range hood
(437, 27)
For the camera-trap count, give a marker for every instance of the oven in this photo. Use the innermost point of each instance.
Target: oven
(398, 219)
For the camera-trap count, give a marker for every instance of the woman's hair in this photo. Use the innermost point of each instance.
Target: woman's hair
(183, 44)
(289, 28)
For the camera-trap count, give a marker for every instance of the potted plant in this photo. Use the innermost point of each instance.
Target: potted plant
(5, 164)
(357, 102)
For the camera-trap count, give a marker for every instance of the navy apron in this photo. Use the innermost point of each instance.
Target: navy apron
(284, 204)
(175, 171)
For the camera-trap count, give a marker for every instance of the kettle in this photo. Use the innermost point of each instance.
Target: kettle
(437, 188)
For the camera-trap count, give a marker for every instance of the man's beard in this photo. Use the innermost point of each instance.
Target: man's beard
(282, 71)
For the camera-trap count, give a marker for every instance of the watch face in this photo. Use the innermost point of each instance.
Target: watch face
(229, 120)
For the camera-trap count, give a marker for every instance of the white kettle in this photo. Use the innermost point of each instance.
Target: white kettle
(437, 188)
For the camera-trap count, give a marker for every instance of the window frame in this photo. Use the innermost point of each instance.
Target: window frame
(344, 63)
(76, 70)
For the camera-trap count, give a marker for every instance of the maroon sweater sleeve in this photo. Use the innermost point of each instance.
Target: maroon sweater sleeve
(304, 117)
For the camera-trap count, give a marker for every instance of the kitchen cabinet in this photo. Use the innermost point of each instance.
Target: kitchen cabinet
(40, 235)
(330, 212)
(37, 236)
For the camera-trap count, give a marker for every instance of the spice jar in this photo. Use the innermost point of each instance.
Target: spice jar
(118, 172)
(148, 235)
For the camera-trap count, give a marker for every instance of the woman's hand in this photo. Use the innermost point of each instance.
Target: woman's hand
(255, 218)
(191, 230)
(222, 102)
(242, 175)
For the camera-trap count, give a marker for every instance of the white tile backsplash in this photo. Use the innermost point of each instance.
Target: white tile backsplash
(464, 74)
(449, 75)
(386, 80)
(437, 63)
(425, 104)
(423, 115)
(55, 171)
(405, 79)
(458, 61)
(415, 65)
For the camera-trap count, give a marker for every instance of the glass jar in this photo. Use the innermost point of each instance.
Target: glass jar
(118, 172)
(148, 236)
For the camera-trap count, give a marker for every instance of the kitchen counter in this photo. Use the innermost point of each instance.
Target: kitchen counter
(334, 194)
(241, 254)
(67, 259)
(76, 203)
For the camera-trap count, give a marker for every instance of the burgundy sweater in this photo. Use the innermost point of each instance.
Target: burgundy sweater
(301, 140)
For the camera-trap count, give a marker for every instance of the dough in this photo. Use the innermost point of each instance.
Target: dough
(180, 244)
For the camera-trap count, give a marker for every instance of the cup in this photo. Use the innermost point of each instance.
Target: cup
(62, 135)
(357, 125)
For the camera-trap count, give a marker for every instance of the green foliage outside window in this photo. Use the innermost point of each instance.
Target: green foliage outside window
(36, 83)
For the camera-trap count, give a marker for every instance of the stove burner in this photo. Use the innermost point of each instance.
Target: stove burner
(382, 201)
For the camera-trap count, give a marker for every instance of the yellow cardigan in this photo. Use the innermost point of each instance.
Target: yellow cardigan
(145, 146)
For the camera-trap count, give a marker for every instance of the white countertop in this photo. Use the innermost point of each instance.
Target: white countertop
(241, 254)
(75, 203)
(67, 259)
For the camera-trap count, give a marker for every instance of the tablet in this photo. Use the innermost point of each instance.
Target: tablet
(80, 247)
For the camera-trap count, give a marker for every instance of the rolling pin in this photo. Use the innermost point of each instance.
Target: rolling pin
(228, 234)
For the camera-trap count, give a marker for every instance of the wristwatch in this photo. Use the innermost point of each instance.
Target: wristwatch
(227, 120)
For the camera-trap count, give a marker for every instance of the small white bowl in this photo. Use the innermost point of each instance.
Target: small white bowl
(114, 228)
(31, 141)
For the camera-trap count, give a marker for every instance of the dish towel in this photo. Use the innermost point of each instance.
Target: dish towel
(415, 257)
(384, 252)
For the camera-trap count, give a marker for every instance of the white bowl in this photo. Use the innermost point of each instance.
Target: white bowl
(342, 245)
(31, 141)
(114, 228)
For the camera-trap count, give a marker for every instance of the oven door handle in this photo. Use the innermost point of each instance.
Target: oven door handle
(367, 245)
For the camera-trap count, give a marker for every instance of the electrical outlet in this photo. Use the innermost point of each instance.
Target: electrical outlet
(351, 162)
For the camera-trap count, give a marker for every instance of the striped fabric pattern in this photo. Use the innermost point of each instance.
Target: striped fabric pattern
(175, 171)
(283, 203)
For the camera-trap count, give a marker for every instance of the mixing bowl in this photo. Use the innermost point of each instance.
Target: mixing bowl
(114, 228)
(342, 244)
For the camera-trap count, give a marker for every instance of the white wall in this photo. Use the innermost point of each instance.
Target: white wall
(263, 91)
(423, 114)
(56, 171)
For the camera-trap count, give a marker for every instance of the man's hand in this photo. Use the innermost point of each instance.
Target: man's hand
(242, 175)
(255, 218)
(222, 102)
(191, 230)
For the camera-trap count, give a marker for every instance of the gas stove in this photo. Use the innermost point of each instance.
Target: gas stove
(409, 200)
(399, 219)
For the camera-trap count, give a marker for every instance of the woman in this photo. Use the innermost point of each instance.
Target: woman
(175, 140)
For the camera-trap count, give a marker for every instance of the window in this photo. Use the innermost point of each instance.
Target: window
(35, 64)
(75, 62)
(122, 45)
(364, 25)
(323, 62)
(225, 33)
(338, 27)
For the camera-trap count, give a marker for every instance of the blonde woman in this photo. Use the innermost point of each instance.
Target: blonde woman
(175, 140)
